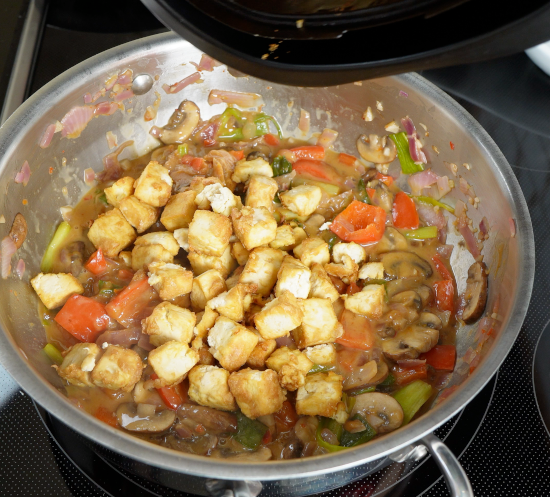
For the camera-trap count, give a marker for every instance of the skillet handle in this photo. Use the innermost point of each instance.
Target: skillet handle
(457, 480)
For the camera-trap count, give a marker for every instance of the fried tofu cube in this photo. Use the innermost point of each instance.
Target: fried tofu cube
(143, 255)
(164, 238)
(279, 317)
(240, 253)
(126, 257)
(284, 238)
(233, 280)
(322, 355)
(254, 226)
(235, 302)
(170, 280)
(205, 287)
(313, 250)
(208, 386)
(246, 168)
(119, 190)
(372, 271)
(179, 210)
(78, 364)
(169, 322)
(321, 285)
(292, 367)
(302, 199)
(209, 233)
(261, 192)
(198, 183)
(181, 236)
(230, 343)
(352, 249)
(256, 360)
(139, 214)
(117, 369)
(261, 268)
(202, 262)
(294, 277)
(171, 362)
(347, 271)
(154, 186)
(320, 395)
(299, 235)
(319, 323)
(219, 198)
(368, 302)
(257, 393)
(111, 232)
(342, 414)
(206, 321)
(55, 289)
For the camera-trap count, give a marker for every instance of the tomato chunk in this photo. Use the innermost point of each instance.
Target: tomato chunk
(441, 268)
(127, 306)
(406, 375)
(174, 396)
(442, 357)
(387, 180)
(444, 295)
(84, 318)
(360, 223)
(314, 168)
(108, 417)
(358, 332)
(348, 160)
(404, 212)
(97, 263)
(238, 154)
(271, 139)
(312, 152)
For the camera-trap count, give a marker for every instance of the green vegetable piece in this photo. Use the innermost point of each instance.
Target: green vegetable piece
(321, 442)
(349, 401)
(262, 124)
(53, 353)
(334, 427)
(390, 380)
(59, 237)
(281, 166)
(182, 149)
(412, 397)
(249, 431)
(362, 390)
(408, 166)
(276, 198)
(231, 132)
(362, 192)
(354, 439)
(433, 201)
(103, 199)
(319, 369)
(421, 233)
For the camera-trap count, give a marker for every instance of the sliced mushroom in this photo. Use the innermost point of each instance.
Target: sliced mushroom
(394, 287)
(262, 454)
(399, 317)
(213, 420)
(181, 124)
(414, 340)
(405, 265)
(18, 231)
(425, 293)
(380, 410)
(475, 295)
(408, 298)
(361, 376)
(392, 240)
(255, 154)
(128, 416)
(430, 320)
(376, 149)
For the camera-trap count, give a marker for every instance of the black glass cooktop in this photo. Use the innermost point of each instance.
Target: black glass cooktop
(500, 437)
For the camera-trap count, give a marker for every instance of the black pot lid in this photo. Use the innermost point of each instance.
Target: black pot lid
(321, 47)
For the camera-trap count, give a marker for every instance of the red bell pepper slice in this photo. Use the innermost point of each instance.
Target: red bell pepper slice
(441, 357)
(360, 223)
(97, 264)
(108, 417)
(358, 332)
(406, 375)
(311, 152)
(353, 288)
(444, 295)
(348, 160)
(174, 396)
(84, 318)
(271, 139)
(441, 268)
(387, 180)
(238, 154)
(127, 306)
(350, 358)
(404, 212)
(314, 168)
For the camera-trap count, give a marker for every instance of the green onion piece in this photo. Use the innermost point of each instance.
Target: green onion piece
(354, 439)
(281, 166)
(249, 431)
(363, 390)
(235, 134)
(103, 199)
(61, 233)
(276, 124)
(349, 401)
(319, 369)
(390, 380)
(262, 124)
(412, 397)
(231, 133)
(421, 233)
(408, 166)
(362, 192)
(334, 427)
(322, 443)
(333, 240)
(276, 198)
(182, 149)
(53, 353)
(433, 201)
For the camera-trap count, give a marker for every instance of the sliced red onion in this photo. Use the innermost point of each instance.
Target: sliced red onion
(431, 216)
(475, 361)
(24, 175)
(206, 63)
(419, 181)
(208, 132)
(285, 342)
(484, 226)
(144, 343)
(156, 132)
(7, 249)
(111, 166)
(88, 98)
(415, 145)
(512, 223)
(411, 363)
(105, 108)
(284, 181)
(234, 97)
(443, 186)
(76, 120)
(460, 208)
(20, 268)
(123, 95)
(327, 138)
(126, 337)
(469, 238)
(350, 183)
(125, 78)
(111, 81)
(445, 251)
(89, 176)
(47, 136)
(465, 188)
(403, 93)
(469, 355)
(112, 141)
(180, 85)
(303, 124)
(98, 94)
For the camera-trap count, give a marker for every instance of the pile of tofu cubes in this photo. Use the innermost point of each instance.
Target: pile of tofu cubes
(252, 283)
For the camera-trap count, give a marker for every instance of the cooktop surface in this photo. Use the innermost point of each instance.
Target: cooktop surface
(500, 436)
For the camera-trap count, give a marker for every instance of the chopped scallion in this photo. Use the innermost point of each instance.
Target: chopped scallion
(412, 397)
(421, 233)
(408, 166)
(433, 201)
(61, 233)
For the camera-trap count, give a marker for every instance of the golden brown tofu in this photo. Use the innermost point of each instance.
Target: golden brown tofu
(154, 186)
(320, 395)
(254, 226)
(111, 232)
(235, 302)
(170, 280)
(209, 233)
(143, 255)
(171, 362)
(256, 360)
(208, 386)
(261, 268)
(169, 322)
(78, 364)
(119, 190)
(279, 317)
(257, 393)
(284, 238)
(206, 321)
(302, 199)
(246, 168)
(292, 367)
(240, 253)
(353, 250)
(368, 302)
(164, 238)
(117, 369)
(313, 250)
(139, 214)
(205, 287)
(319, 324)
(179, 210)
(202, 262)
(321, 285)
(294, 277)
(261, 191)
(55, 289)
(218, 198)
(322, 355)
